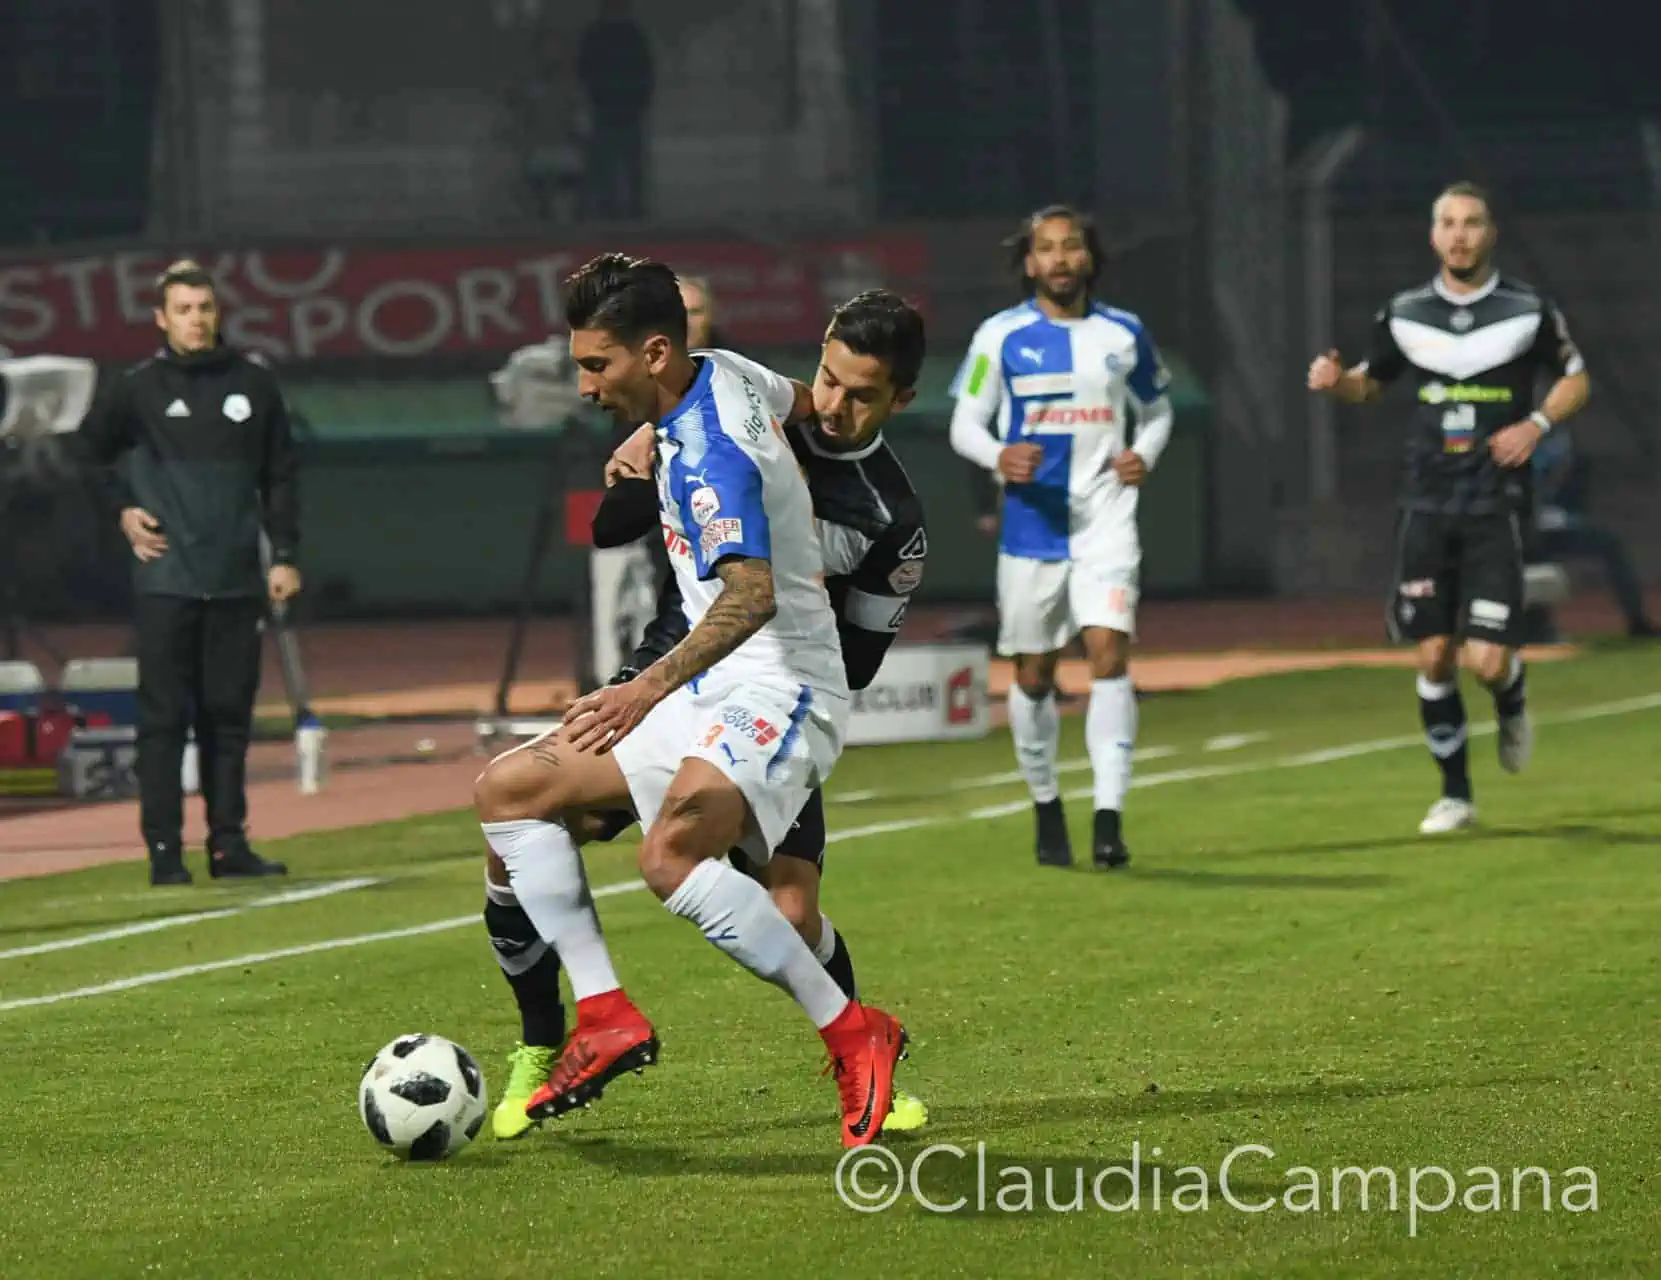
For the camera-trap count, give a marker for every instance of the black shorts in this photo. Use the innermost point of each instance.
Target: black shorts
(1458, 576)
(804, 840)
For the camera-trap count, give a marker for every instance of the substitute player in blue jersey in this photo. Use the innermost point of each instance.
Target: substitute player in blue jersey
(1042, 402)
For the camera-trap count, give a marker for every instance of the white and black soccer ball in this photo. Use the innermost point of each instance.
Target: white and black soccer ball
(423, 1097)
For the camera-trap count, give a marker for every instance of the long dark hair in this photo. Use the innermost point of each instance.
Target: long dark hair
(1019, 245)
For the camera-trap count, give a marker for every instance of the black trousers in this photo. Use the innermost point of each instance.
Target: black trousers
(198, 668)
(615, 167)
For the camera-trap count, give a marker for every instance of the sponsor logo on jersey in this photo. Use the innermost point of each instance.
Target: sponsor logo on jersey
(1029, 386)
(1418, 589)
(1040, 418)
(906, 576)
(717, 532)
(704, 502)
(752, 726)
(1463, 393)
(755, 426)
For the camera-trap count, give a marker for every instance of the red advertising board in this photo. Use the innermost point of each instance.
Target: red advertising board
(343, 302)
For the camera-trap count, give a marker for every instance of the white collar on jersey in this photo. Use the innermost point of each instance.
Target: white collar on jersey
(810, 434)
(1465, 299)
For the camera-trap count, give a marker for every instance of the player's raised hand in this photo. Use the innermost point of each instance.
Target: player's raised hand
(598, 721)
(1514, 445)
(1325, 371)
(1018, 463)
(1131, 468)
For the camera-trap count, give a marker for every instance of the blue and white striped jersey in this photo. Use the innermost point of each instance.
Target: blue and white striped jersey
(1066, 386)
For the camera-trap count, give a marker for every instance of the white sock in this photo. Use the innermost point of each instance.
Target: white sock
(547, 876)
(827, 940)
(737, 915)
(1110, 733)
(1036, 727)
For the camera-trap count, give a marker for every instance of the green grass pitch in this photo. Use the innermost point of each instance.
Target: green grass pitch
(1287, 974)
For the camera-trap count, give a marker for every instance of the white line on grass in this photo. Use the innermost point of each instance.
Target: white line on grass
(1329, 755)
(981, 783)
(288, 896)
(1233, 741)
(1305, 759)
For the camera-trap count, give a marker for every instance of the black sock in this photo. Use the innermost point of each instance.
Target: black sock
(1443, 712)
(531, 968)
(841, 965)
(1510, 697)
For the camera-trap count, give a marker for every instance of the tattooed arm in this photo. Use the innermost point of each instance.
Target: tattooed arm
(598, 720)
(744, 606)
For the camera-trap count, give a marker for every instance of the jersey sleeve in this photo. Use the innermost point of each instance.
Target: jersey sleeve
(105, 436)
(1554, 346)
(1150, 379)
(1384, 361)
(778, 392)
(871, 602)
(627, 513)
(978, 385)
(720, 504)
(978, 388)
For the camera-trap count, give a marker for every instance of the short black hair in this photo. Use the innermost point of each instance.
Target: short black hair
(185, 272)
(882, 324)
(1020, 244)
(629, 298)
(1463, 188)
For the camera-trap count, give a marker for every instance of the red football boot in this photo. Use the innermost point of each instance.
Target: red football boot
(611, 1037)
(865, 1044)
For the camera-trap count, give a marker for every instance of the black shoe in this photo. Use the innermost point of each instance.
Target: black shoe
(167, 864)
(239, 862)
(170, 872)
(1055, 848)
(1108, 846)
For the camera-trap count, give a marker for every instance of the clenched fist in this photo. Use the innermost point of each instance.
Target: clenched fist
(1325, 371)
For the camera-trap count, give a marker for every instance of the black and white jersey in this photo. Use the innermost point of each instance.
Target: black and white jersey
(874, 543)
(1476, 361)
(871, 535)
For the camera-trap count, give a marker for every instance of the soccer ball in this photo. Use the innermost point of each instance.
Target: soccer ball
(423, 1097)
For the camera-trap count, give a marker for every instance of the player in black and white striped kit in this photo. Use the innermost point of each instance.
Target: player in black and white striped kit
(874, 545)
(1476, 344)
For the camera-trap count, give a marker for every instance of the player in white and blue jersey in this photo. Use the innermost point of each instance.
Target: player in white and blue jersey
(719, 743)
(1043, 402)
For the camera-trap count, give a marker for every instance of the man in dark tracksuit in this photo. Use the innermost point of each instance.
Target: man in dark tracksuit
(197, 451)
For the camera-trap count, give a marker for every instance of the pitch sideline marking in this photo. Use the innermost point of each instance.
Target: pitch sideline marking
(138, 927)
(985, 781)
(1305, 759)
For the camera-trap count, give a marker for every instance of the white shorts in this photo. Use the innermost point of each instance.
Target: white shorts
(1042, 604)
(775, 741)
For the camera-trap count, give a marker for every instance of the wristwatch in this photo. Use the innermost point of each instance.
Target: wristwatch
(1539, 419)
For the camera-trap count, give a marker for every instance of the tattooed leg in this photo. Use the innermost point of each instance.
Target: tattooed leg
(530, 802)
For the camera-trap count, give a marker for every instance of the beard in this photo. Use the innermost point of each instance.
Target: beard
(1062, 295)
(1466, 274)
